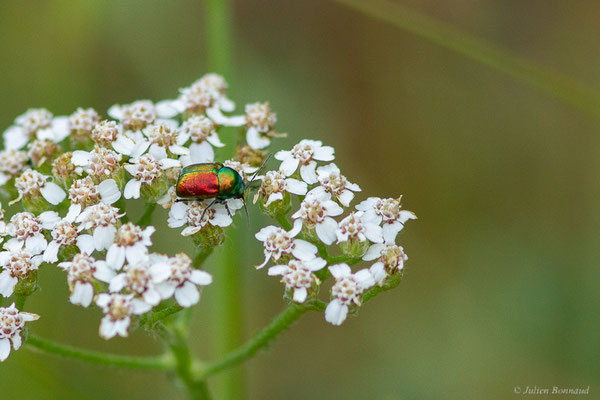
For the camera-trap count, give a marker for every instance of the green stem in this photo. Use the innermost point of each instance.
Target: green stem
(158, 363)
(217, 20)
(478, 50)
(146, 218)
(121, 205)
(228, 315)
(283, 221)
(258, 341)
(185, 368)
(20, 302)
(157, 316)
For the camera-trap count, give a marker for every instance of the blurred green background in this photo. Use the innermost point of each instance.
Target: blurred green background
(501, 289)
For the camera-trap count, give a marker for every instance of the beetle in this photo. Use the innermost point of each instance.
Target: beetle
(215, 181)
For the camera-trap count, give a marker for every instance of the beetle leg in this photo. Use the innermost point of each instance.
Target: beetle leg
(206, 209)
(227, 208)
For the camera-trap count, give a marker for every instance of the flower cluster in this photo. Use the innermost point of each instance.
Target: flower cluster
(366, 234)
(71, 176)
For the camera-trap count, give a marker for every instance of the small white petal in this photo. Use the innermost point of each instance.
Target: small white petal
(336, 313)
(373, 252)
(115, 257)
(109, 191)
(36, 244)
(80, 158)
(16, 341)
(307, 172)
(340, 271)
(86, 244)
(103, 273)
(255, 140)
(277, 270)
(49, 219)
(364, 278)
(289, 166)
(132, 189)
(187, 295)
(104, 236)
(300, 294)
(7, 283)
(326, 230)
(274, 197)
(201, 152)
(139, 306)
(51, 252)
(53, 193)
(295, 186)
(346, 197)
(82, 294)
(304, 250)
(324, 153)
(378, 272)
(390, 231)
(115, 111)
(201, 278)
(4, 349)
(374, 233)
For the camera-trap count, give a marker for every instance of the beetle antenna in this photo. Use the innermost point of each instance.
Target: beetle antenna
(246, 209)
(260, 169)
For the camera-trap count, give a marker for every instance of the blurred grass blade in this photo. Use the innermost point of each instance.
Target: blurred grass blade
(444, 35)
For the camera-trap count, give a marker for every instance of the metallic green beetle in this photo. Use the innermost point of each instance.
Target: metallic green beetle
(213, 181)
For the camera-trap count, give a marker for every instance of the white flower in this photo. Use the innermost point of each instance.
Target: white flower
(390, 259)
(299, 276)
(12, 323)
(105, 133)
(260, 122)
(12, 163)
(145, 170)
(201, 131)
(346, 291)
(387, 211)
(32, 183)
(81, 273)
(275, 183)
(118, 309)
(315, 213)
(131, 143)
(57, 131)
(357, 226)
(131, 243)
(64, 233)
(176, 276)
(26, 231)
(278, 242)
(100, 163)
(101, 220)
(207, 95)
(40, 151)
(82, 121)
(16, 265)
(191, 214)
(26, 125)
(83, 193)
(163, 139)
(136, 279)
(333, 182)
(134, 116)
(304, 155)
